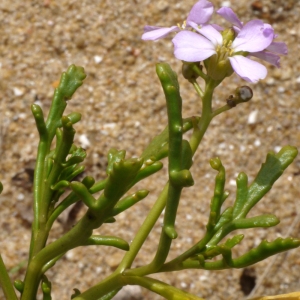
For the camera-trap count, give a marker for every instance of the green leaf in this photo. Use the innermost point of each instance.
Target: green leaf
(264, 250)
(241, 193)
(71, 80)
(114, 156)
(107, 241)
(270, 171)
(129, 201)
(217, 199)
(158, 147)
(258, 221)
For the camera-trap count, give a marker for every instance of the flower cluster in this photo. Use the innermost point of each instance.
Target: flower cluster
(222, 50)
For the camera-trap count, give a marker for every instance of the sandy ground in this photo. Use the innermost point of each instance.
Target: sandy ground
(122, 106)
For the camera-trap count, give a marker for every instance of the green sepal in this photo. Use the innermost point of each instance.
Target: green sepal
(114, 156)
(76, 293)
(39, 120)
(129, 201)
(19, 285)
(107, 241)
(258, 221)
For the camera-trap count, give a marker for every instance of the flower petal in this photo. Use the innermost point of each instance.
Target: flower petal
(191, 47)
(229, 15)
(269, 57)
(278, 47)
(201, 12)
(210, 33)
(248, 69)
(255, 36)
(154, 33)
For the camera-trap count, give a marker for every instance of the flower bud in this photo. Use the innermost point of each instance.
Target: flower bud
(188, 72)
(242, 94)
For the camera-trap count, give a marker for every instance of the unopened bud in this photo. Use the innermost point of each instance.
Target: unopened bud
(188, 72)
(242, 94)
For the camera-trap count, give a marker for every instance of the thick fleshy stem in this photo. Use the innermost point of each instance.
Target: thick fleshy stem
(179, 163)
(5, 282)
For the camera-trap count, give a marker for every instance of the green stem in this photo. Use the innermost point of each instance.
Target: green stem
(199, 72)
(176, 263)
(221, 110)
(111, 283)
(197, 88)
(39, 175)
(144, 231)
(5, 282)
(206, 116)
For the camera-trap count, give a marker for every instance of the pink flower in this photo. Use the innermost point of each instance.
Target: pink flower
(200, 14)
(254, 37)
(271, 53)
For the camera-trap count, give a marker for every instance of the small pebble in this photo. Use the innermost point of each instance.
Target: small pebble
(98, 59)
(252, 118)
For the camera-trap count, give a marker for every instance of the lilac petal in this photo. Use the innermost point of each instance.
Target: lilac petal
(278, 47)
(191, 47)
(255, 36)
(201, 12)
(269, 57)
(154, 33)
(229, 15)
(248, 69)
(217, 27)
(210, 33)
